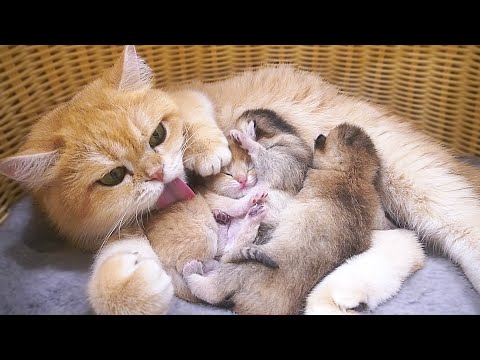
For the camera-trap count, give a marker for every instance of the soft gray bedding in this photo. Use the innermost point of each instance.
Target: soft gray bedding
(41, 275)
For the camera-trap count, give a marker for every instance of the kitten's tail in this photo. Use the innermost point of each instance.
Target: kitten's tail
(253, 253)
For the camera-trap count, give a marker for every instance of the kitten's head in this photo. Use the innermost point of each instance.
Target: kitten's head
(102, 159)
(346, 148)
(236, 178)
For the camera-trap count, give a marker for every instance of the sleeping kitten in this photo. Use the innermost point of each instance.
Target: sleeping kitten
(330, 219)
(424, 187)
(277, 164)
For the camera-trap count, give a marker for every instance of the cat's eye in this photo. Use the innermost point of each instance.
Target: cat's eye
(158, 136)
(114, 177)
(227, 173)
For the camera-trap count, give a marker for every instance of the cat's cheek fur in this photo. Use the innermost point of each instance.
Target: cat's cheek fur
(173, 168)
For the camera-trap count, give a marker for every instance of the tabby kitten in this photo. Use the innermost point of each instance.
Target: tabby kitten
(334, 215)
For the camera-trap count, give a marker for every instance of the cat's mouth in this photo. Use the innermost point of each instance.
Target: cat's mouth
(173, 192)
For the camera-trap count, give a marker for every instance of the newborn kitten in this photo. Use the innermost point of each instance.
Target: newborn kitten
(276, 167)
(330, 220)
(243, 186)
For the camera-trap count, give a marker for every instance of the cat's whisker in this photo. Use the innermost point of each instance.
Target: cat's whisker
(117, 225)
(188, 141)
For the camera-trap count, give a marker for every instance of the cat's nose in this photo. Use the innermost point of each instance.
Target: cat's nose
(242, 180)
(158, 175)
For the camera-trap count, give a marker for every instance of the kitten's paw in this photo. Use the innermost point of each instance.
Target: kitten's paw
(221, 217)
(210, 159)
(211, 265)
(257, 213)
(253, 253)
(259, 198)
(244, 140)
(237, 135)
(192, 267)
(130, 283)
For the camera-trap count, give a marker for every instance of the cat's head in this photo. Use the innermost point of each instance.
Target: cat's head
(346, 148)
(103, 158)
(237, 177)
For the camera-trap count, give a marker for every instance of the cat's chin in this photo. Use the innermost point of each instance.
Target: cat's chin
(174, 191)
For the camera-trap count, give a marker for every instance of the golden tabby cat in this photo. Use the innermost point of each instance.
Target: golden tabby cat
(97, 161)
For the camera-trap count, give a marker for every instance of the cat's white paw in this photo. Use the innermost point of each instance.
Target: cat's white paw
(211, 160)
(130, 283)
(329, 299)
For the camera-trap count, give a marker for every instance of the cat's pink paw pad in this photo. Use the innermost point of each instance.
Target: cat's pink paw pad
(257, 212)
(221, 217)
(192, 267)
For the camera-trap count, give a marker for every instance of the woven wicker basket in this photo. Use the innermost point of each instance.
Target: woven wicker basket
(437, 87)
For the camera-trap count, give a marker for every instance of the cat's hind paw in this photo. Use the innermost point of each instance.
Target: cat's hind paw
(333, 300)
(221, 217)
(257, 213)
(192, 267)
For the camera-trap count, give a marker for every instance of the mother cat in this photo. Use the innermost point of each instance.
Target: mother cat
(97, 161)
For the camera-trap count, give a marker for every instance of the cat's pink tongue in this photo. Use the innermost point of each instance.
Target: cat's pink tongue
(174, 191)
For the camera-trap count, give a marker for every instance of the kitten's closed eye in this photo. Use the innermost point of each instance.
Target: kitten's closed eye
(227, 173)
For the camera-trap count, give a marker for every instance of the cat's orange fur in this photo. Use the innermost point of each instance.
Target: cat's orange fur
(70, 148)
(106, 125)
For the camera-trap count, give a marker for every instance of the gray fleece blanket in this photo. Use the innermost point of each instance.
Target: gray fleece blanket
(40, 274)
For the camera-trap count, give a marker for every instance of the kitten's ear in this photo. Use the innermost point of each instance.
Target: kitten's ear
(130, 72)
(30, 169)
(320, 142)
(353, 135)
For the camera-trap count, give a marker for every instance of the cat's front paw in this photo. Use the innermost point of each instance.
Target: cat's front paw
(244, 140)
(130, 284)
(259, 198)
(209, 160)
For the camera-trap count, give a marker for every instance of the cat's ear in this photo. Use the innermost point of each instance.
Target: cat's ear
(320, 142)
(32, 170)
(130, 72)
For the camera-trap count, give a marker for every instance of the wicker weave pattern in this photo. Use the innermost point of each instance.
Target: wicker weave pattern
(437, 87)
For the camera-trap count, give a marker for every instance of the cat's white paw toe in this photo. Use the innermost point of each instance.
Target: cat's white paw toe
(211, 161)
